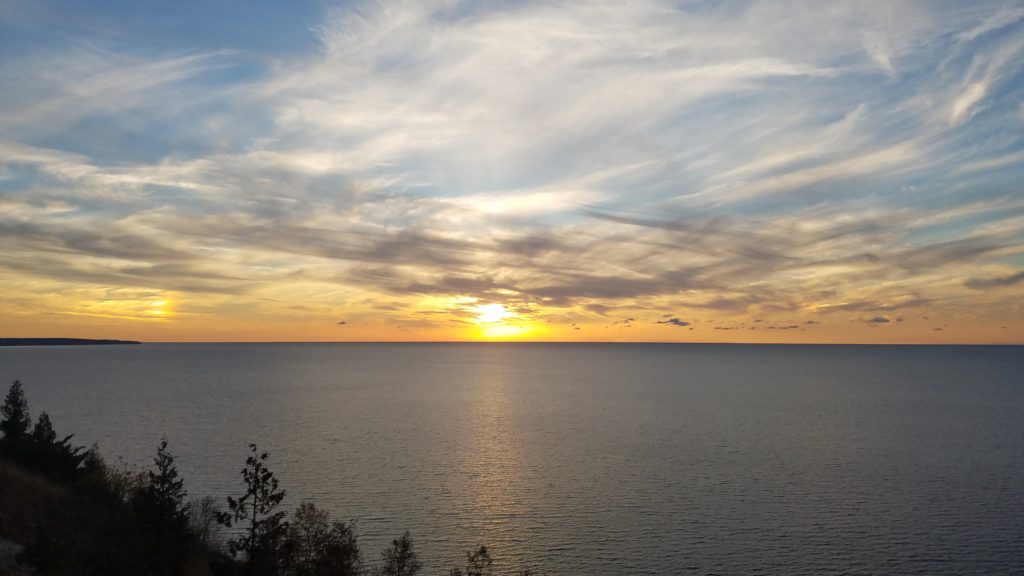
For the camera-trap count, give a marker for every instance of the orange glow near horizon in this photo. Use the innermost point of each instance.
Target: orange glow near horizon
(54, 310)
(505, 331)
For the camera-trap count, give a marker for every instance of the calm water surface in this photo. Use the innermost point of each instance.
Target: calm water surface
(579, 459)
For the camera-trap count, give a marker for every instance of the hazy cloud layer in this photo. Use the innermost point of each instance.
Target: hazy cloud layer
(577, 163)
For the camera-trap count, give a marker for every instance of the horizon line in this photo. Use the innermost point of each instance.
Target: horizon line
(580, 342)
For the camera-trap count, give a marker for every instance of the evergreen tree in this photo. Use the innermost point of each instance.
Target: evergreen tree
(263, 542)
(161, 507)
(39, 449)
(43, 433)
(165, 491)
(400, 558)
(16, 420)
(57, 459)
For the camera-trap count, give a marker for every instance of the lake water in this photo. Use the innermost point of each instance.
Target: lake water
(580, 459)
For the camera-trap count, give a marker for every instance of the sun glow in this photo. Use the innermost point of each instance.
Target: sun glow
(158, 308)
(496, 321)
(491, 313)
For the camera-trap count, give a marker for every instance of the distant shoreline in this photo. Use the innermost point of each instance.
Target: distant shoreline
(62, 342)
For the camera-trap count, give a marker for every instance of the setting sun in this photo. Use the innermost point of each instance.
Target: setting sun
(159, 308)
(493, 320)
(491, 313)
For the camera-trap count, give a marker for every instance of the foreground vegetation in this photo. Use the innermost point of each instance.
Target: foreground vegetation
(73, 514)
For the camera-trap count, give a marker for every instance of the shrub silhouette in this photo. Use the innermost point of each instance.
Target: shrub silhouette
(202, 520)
(91, 530)
(478, 563)
(318, 547)
(307, 535)
(400, 558)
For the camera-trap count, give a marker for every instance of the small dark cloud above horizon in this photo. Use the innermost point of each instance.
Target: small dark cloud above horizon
(674, 321)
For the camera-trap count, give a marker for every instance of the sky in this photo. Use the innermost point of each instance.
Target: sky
(513, 170)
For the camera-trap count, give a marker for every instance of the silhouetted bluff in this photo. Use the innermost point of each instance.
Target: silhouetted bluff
(60, 342)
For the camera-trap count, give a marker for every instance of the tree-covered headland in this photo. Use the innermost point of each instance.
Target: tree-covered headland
(70, 513)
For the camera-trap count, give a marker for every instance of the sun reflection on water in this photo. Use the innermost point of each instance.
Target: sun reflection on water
(495, 461)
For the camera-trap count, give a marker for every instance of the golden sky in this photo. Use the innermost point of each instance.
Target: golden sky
(764, 172)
